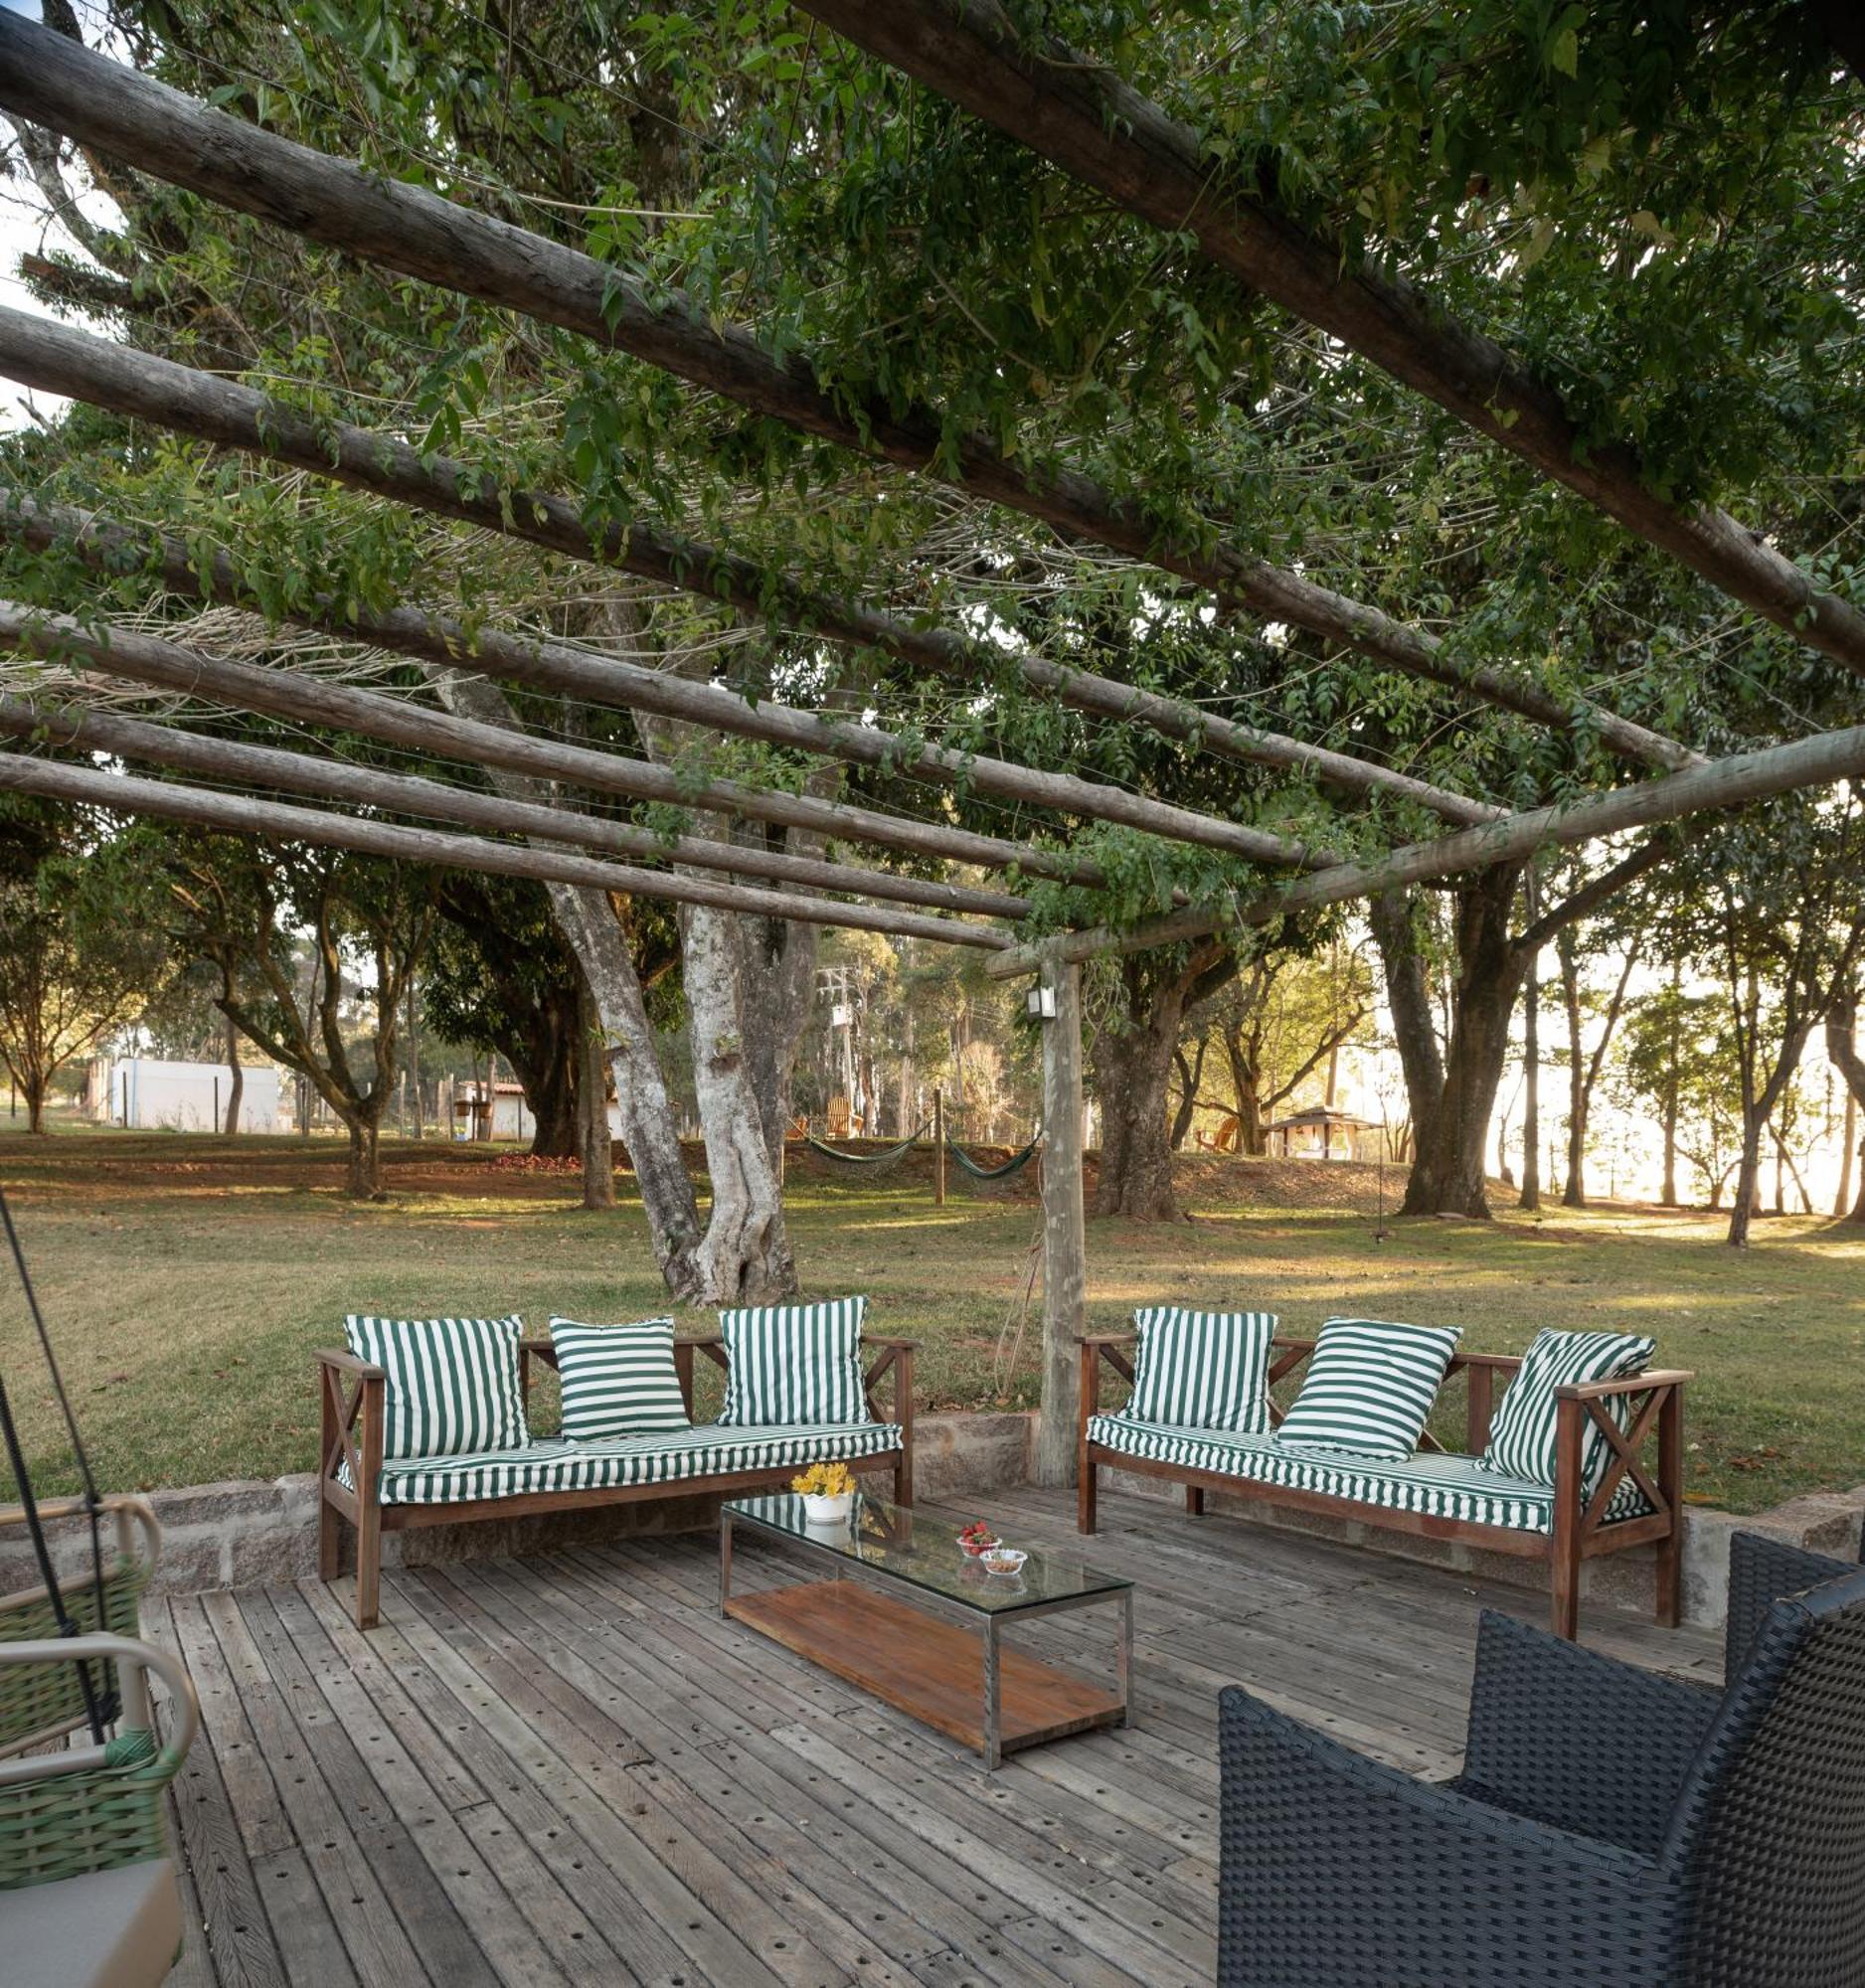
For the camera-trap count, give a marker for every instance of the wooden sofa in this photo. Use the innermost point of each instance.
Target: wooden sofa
(1579, 1527)
(351, 1397)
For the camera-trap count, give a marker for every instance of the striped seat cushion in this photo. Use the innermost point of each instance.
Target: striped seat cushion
(1521, 1436)
(795, 1364)
(1439, 1487)
(1370, 1386)
(559, 1463)
(1201, 1369)
(618, 1380)
(451, 1383)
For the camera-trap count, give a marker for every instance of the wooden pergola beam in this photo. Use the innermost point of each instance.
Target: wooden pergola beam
(1080, 115)
(64, 727)
(1821, 762)
(52, 81)
(562, 667)
(134, 657)
(57, 359)
(235, 814)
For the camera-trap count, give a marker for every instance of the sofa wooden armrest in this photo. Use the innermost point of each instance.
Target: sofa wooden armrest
(1626, 1384)
(347, 1363)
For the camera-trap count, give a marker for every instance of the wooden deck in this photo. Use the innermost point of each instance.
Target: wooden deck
(571, 1769)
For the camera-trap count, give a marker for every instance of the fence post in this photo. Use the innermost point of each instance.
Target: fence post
(938, 1147)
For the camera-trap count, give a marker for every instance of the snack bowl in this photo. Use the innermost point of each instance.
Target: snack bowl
(972, 1543)
(1004, 1560)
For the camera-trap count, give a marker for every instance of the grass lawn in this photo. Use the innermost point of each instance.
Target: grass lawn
(186, 1280)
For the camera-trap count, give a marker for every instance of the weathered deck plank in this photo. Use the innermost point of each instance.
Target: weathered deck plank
(574, 1770)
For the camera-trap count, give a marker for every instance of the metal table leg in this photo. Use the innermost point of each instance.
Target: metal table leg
(1126, 1657)
(993, 1719)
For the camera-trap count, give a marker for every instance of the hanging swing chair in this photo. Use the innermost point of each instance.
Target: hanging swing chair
(89, 1890)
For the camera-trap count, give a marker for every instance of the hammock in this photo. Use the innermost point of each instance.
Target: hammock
(1014, 1165)
(865, 1159)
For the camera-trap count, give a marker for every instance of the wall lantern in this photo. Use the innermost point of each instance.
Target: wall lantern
(1039, 1003)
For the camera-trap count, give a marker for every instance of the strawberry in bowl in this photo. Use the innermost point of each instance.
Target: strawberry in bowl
(977, 1538)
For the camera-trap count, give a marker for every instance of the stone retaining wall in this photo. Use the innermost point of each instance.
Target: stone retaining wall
(249, 1535)
(253, 1534)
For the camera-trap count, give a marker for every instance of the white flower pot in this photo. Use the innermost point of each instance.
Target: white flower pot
(819, 1511)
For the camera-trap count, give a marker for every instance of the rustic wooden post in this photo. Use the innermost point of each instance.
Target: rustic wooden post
(1065, 1241)
(938, 1147)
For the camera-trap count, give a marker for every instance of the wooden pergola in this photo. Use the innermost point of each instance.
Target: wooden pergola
(1092, 126)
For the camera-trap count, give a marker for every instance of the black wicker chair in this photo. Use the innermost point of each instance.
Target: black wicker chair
(1609, 1827)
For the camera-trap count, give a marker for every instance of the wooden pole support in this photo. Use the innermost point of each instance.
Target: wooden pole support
(1065, 1228)
(938, 1147)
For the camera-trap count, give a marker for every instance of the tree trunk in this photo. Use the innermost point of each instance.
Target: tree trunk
(236, 1079)
(1748, 1200)
(1393, 918)
(743, 1257)
(1447, 1175)
(1842, 1046)
(545, 1051)
(599, 1153)
(1530, 1197)
(777, 982)
(363, 1175)
(1848, 1147)
(32, 1089)
(1574, 1194)
(595, 935)
(1132, 1076)
(649, 1128)
(1189, 1076)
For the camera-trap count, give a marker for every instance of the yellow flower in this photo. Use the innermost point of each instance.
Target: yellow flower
(825, 1480)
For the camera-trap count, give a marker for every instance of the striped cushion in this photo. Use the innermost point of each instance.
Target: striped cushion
(452, 1386)
(795, 1364)
(1201, 1369)
(1440, 1487)
(558, 1463)
(1370, 1386)
(1521, 1437)
(618, 1380)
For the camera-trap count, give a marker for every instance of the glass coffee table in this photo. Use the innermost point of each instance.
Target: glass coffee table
(910, 1618)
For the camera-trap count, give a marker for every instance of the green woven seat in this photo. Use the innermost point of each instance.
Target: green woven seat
(40, 1701)
(94, 1808)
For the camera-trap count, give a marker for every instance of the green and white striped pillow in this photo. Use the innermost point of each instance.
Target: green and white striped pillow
(1370, 1386)
(618, 1380)
(1201, 1369)
(795, 1364)
(1521, 1437)
(452, 1386)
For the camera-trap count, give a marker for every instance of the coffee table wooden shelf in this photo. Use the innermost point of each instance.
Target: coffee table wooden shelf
(908, 1618)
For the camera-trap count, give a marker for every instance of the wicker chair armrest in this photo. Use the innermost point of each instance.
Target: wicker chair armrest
(1760, 1571)
(184, 1718)
(346, 1361)
(139, 1510)
(1334, 1868)
(1577, 1740)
